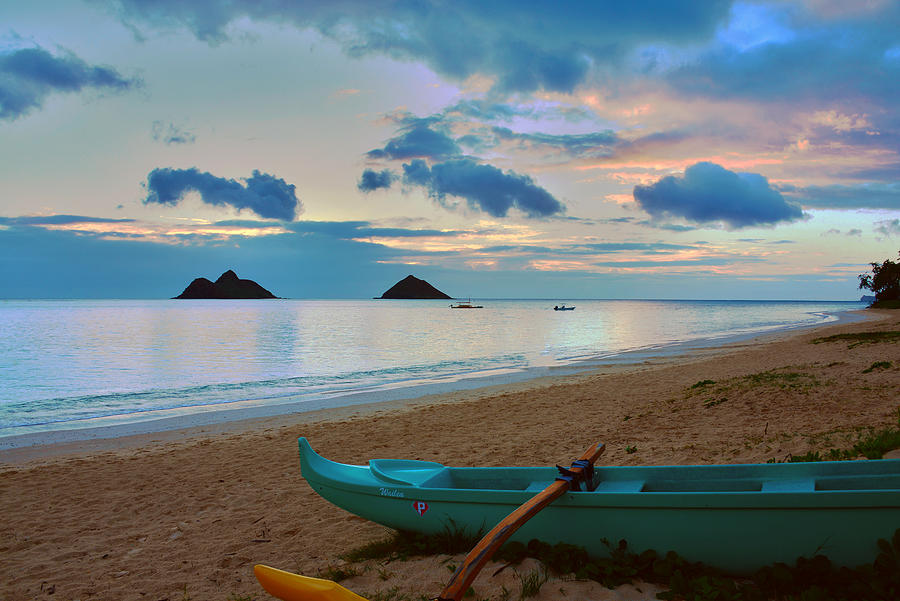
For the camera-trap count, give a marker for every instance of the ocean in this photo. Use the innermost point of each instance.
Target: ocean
(68, 365)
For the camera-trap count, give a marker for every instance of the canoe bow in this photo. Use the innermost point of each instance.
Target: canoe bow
(294, 587)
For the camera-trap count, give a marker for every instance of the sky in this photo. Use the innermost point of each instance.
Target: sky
(559, 150)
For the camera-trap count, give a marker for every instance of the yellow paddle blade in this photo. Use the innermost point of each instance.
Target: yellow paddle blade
(294, 587)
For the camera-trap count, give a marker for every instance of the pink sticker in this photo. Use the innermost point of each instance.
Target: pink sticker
(420, 507)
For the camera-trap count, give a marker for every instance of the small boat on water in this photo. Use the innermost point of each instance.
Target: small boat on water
(563, 307)
(466, 305)
(734, 517)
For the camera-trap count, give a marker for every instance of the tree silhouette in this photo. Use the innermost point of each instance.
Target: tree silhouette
(884, 281)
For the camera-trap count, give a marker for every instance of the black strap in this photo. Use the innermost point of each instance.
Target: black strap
(575, 478)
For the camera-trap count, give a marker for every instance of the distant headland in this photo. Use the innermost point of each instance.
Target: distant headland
(412, 287)
(228, 286)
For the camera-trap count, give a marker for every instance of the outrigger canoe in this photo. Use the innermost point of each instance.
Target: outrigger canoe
(734, 517)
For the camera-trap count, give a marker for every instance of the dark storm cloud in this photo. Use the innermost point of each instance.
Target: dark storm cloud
(418, 141)
(484, 187)
(373, 180)
(29, 75)
(708, 193)
(266, 195)
(549, 46)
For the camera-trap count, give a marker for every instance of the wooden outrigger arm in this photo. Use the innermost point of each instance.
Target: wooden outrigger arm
(482, 552)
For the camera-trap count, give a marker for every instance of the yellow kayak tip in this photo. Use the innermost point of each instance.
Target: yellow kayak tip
(294, 587)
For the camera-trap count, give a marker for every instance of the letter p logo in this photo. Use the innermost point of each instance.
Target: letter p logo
(420, 507)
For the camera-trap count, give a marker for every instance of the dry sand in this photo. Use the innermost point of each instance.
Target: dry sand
(186, 514)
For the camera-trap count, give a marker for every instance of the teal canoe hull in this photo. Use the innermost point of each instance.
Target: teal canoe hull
(734, 517)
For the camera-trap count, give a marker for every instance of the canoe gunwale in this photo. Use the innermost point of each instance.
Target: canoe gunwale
(744, 493)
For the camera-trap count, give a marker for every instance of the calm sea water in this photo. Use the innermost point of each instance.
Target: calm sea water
(76, 363)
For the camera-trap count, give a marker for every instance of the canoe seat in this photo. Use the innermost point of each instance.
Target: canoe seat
(801, 485)
(404, 471)
(538, 485)
(620, 486)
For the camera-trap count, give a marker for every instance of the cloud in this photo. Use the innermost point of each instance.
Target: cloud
(352, 230)
(58, 220)
(888, 227)
(171, 134)
(484, 187)
(418, 141)
(708, 193)
(850, 58)
(861, 196)
(591, 145)
(266, 195)
(29, 75)
(373, 180)
(546, 46)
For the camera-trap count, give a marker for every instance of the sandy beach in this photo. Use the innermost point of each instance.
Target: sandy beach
(185, 514)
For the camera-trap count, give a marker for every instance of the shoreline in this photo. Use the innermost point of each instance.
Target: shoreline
(22, 448)
(187, 513)
(244, 414)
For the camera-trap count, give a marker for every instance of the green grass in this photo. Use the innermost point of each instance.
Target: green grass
(870, 443)
(402, 545)
(780, 379)
(813, 579)
(337, 574)
(531, 583)
(877, 365)
(856, 339)
(785, 378)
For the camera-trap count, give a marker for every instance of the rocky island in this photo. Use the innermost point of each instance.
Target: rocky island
(412, 287)
(228, 286)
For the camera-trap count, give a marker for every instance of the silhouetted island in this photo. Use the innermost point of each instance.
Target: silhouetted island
(227, 286)
(412, 287)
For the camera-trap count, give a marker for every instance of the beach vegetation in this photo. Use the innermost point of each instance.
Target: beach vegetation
(870, 443)
(392, 594)
(714, 402)
(808, 579)
(236, 597)
(338, 573)
(532, 582)
(857, 338)
(877, 365)
(884, 281)
(785, 378)
(402, 545)
(781, 379)
(630, 449)
(703, 384)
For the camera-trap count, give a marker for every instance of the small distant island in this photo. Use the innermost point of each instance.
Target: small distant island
(412, 287)
(228, 286)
